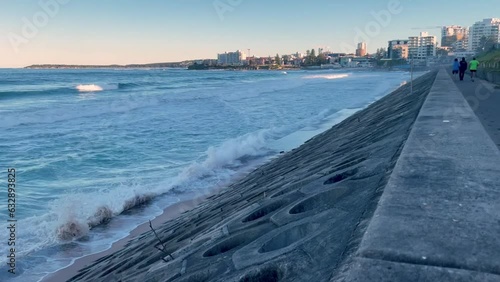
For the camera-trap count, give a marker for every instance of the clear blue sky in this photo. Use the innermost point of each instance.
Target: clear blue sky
(133, 31)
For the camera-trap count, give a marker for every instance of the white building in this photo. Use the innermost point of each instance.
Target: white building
(237, 58)
(488, 28)
(422, 47)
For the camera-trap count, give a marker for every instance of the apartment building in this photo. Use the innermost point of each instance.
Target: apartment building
(487, 28)
(398, 49)
(237, 58)
(422, 47)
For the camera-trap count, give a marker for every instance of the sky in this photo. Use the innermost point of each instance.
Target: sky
(100, 32)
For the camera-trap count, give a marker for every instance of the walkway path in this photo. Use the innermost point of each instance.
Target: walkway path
(484, 99)
(438, 218)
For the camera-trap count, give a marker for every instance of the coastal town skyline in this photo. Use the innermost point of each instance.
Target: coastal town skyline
(55, 31)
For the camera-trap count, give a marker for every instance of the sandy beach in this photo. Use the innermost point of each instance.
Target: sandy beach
(299, 217)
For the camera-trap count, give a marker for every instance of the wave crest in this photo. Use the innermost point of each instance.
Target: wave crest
(102, 215)
(230, 155)
(89, 88)
(137, 201)
(71, 230)
(327, 76)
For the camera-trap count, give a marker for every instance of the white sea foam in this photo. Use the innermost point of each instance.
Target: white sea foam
(234, 152)
(97, 88)
(89, 88)
(73, 215)
(327, 76)
(228, 154)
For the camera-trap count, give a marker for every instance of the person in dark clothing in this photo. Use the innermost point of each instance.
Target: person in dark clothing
(462, 68)
(456, 68)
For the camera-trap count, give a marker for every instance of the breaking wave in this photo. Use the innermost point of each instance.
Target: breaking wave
(327, 76)
(111, 86)
(75, 215)
(220, 164)
(89, 88)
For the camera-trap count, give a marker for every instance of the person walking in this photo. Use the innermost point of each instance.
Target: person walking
(473, 68)
(462, 68)
(456, 67)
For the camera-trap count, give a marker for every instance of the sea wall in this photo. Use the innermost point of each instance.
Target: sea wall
(300, 217)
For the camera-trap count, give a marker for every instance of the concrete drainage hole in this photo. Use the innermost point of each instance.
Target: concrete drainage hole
(226, 245)
(263, 211)
(288, 237)
(341, 176)
(323, 201)
(265, 274)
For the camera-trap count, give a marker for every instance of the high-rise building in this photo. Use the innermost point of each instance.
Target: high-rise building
(483, 32)
(232, 58)
(452, 34)
(398, 49)
(422, 47)
(361, 51)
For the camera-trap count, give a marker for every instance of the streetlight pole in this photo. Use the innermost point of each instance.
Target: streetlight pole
(411, 75)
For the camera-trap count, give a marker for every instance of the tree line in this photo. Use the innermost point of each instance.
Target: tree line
(311, 59)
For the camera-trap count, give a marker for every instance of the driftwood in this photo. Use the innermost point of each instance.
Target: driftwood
(161, 243)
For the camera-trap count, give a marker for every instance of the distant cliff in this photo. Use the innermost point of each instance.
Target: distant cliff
(183, 64)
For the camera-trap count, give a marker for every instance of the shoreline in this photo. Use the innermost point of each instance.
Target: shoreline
(169, 213)
(187, 202)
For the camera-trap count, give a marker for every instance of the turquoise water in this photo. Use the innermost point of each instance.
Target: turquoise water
(98, 152)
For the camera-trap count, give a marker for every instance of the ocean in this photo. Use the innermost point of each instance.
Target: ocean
(98, 152)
